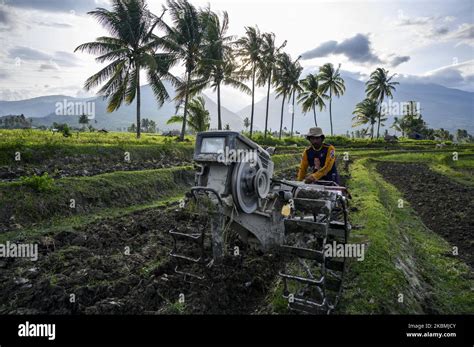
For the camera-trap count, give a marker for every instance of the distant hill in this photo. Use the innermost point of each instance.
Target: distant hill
(440, 107)
(42, 111)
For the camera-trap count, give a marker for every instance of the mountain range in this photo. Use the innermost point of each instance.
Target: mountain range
(440, 107)
(42, 111)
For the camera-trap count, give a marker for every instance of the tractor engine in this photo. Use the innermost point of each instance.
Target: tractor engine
(235, 190)
(236, 174)
(235, 166)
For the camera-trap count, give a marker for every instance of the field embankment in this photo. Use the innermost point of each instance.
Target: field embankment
(409, 266)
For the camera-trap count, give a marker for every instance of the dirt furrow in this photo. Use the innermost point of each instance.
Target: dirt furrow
(445, 206)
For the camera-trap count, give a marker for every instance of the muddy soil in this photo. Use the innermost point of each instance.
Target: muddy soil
(83, 166)
(91, 263)
(445, 206)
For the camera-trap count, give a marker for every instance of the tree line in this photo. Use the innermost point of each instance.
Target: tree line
(197, 39)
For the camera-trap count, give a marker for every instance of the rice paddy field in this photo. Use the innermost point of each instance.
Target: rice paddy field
(99, 207)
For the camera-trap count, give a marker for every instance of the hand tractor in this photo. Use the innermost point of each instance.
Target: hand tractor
(235, 192)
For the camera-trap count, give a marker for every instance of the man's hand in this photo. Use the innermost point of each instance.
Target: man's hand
(309, 179)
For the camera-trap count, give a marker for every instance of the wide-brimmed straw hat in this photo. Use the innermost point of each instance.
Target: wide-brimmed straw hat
(315, 132)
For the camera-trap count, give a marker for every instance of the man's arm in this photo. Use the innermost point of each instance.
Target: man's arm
(303, 167)
(328, 164)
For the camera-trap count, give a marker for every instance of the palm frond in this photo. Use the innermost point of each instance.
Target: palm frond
(175, 119)
(107, 72)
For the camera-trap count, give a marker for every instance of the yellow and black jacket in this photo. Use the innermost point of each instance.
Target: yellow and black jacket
(326, 155)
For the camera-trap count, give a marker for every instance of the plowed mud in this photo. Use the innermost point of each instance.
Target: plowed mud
(445, 206)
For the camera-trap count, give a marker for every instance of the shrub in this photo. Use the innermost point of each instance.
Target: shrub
(39, 183)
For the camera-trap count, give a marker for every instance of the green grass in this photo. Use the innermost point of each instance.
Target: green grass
(174, 308)
(118, 189)
(39, 153)
(60, 223)
(122, 189)
(400, 253)
(37, 145)
(39, 183)
(30, 137)
(283, 161)
(400, 250)
(151, 266)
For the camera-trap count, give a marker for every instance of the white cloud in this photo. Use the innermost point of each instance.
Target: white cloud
(399, 60)
(45, 67)
(10, 94)
(421, 21)
(10, 21)
(464, 34)
(460, 76)
(49, 26)
(449, 19)
(4, 75)
(54, 25)
(58, 58)
(435, 29)
(356, 49)
(59, 5)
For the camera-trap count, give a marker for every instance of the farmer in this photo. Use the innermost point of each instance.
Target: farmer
(320, 157)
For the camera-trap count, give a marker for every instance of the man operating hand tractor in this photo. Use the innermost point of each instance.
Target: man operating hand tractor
(320, 157)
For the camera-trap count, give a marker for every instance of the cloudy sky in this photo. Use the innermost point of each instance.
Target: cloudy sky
(425, 41)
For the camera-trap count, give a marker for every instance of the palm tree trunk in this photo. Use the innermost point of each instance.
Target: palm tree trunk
(219, 119)
(372, 132)
(330, 109)
(293, 114)
(186, 98)
(253, 101)
(268, 100)
(138, 106)
(281, 120)
(379, 116)
(314, 112)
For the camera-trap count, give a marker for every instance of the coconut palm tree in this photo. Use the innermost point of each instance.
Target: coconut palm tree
(398, 125)
(198, 117)
(282, 81)
(286, 81)
(364, 132)
(184, 41)
(84, 120)
(216, 66)
(331, 80)
(443, 135)
(266, 67)
(366, 112)
(294, 77)
(249, 52)
(378, 87)
(130, 49)
(311, 95)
